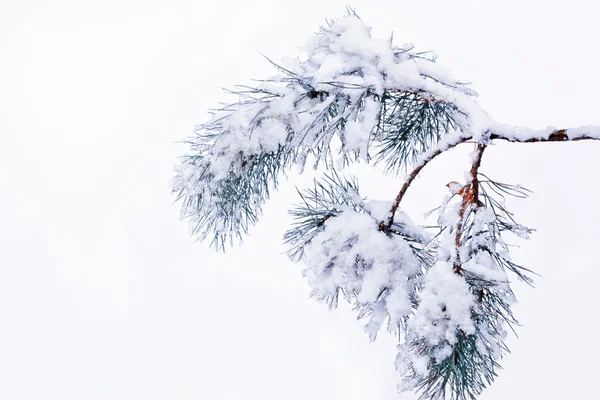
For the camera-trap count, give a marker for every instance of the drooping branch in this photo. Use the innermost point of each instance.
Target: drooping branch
(411, 122)
(474, 169)
(379, 103)
(559, 135)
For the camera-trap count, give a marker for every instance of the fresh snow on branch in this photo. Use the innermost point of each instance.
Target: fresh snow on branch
(349, 86)
(444, 289)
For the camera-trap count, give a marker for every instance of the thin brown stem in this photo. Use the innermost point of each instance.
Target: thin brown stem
(388, 224)
(470, 196)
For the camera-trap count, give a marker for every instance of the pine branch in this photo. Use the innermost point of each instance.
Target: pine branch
(325, 200)
(336, 235)
(558, 135)
(411, 123)
(450, 294)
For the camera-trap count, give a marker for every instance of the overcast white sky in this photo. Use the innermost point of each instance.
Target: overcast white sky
(103, 295)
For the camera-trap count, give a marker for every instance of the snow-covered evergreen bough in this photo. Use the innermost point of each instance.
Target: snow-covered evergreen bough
(446, 292)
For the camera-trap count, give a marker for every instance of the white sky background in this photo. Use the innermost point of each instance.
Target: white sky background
(103, 294)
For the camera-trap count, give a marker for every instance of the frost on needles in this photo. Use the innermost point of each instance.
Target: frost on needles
(445, 292)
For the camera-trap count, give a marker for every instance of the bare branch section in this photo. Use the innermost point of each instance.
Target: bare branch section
(473, 172)
(559, 135)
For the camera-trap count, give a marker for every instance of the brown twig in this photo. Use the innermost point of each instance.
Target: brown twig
(387, 225)
(474, 169)
(470, 196)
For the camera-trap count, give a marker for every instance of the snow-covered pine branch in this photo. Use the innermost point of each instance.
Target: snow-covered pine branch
(375, 97)
(337, 236)
(445, 293)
